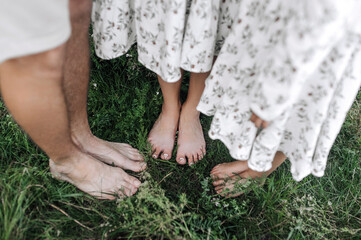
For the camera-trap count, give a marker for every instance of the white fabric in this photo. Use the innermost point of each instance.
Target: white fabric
(170, 35)
(32, 26)
(295, 64)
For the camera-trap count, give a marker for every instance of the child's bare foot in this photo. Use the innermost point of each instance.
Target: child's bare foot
(117, 154)
(94, 177)
(191, 144)
(162, 135)
(227, 175)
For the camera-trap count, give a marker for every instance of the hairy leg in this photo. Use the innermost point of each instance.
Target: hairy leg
(162, 135)
(226, 175)
(76, 80)
(32, 90)
(191, 143)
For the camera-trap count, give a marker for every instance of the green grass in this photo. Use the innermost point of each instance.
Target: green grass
(175, 202)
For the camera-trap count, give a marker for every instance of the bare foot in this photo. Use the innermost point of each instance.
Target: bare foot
(191, 144)
(162, 135)
(117, 154)
(227, 176)
(94, 177)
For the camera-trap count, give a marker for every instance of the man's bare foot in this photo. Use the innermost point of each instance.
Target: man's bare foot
(226, 176)
(117, 154)
(94, 177)
(191, 143)
(162, 135)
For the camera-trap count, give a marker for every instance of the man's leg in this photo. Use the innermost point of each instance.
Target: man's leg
(76, 79)
(31, 87)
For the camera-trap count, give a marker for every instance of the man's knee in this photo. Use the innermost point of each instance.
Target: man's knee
(48, 63)
(80, 11)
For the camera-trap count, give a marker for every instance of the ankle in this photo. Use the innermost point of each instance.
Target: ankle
(81, 137)
(190, 110)
(172, 109)
(71, 158)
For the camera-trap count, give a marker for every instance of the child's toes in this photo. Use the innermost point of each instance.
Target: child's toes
(215, 172)
(219, 191)
(218, 183)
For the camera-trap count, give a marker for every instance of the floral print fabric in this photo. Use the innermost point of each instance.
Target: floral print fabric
(295, 64)
(170, 34)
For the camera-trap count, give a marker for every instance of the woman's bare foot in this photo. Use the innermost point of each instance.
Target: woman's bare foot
(162, 135)
(117, 154)
(226, 176)
(191, 143)
(94, 177)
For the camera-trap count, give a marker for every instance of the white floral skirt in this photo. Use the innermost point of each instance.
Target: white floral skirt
(170, 35)
(295, 64)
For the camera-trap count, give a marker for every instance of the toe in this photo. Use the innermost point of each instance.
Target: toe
(204, 150)
(104, 196)
(139, 166)
(218, 183)
(181, 159)
(166, 155)
(156, 153)
(215, 173)
(125, 191)
(135, 166)
(132, 181)
(195, 157)
(190, 160)
(135, 155)
(219, 191)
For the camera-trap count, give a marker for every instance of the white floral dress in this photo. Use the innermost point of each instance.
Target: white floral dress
(170, 34)
(296, 64)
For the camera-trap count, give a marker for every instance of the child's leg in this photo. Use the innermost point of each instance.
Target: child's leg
(163, 133)
(235, 170)
(191, 142)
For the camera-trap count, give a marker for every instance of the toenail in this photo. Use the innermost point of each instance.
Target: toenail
(190, 164)
(137, 183)
(154, 156)
(181, 159)
(165, 156)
